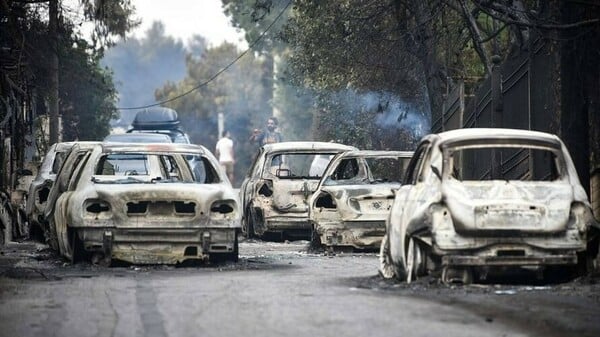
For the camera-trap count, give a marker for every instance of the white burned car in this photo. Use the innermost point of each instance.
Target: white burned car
(477, 201)
(39, 189)
(145, 203)
(354, 198)
(278, 185)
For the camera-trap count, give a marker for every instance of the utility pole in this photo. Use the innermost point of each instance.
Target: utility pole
(53, 89)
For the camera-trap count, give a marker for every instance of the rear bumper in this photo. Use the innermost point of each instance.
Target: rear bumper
(157, 245)
(522, 250)
(458, 260)
(357, 234)
(283, 224)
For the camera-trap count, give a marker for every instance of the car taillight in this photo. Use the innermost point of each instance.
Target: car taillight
(222, 207)
(97, 206)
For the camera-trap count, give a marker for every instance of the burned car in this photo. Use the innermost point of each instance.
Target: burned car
(145, 204)
(41, 185)
(278, 185)
(482, 201)
(354, 198)
(141, 137)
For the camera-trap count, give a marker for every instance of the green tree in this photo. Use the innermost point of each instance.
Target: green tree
(50, 49)
(291, 101)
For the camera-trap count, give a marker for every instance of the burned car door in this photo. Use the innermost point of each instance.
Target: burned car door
(64, 175)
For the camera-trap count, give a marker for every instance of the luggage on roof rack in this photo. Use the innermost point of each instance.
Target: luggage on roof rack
(156, 118)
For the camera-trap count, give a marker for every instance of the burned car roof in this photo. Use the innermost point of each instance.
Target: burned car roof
(476, 133)
(305, 145)
(140, 137)
(155, 147)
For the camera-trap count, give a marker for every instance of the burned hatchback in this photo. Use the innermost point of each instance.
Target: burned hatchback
(149, 204)
(481, 201)
(354, 198)
(279, 183)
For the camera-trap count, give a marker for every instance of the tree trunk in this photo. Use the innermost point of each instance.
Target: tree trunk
(53, 88)
(427, 52)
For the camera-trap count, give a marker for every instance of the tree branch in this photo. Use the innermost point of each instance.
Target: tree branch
(476, 36)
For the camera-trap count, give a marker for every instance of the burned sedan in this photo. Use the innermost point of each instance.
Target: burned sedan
(41, 185)
(354, 198)
(482, 201)
(278, 185)
(147, 204)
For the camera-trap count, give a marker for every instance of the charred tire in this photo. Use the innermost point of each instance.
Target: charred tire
(315, 240)
(2, 236)
(386, 267)
(52, 237)
(255, 218)
(235, 255)
(78, 253)
(248, 224)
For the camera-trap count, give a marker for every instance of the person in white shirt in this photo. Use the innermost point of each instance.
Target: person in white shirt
(224, 151)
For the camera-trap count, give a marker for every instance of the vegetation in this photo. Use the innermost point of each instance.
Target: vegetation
(35, 32)
(234, 93)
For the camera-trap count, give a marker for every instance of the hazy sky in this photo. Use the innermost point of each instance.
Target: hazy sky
(184, 18)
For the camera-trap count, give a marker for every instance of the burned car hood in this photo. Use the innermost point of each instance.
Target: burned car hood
(539, 207)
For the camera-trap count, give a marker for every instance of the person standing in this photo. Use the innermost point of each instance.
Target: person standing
(267, 136)
(224, 151)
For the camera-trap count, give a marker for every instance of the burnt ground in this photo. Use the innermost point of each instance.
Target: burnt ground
(278, 289)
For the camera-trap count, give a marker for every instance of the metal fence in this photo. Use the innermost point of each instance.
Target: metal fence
(522, 93)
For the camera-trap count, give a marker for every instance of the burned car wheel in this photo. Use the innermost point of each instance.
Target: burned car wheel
(75, 245)
(386, 267)
(248, 226)
(315, 239)
(415, 260)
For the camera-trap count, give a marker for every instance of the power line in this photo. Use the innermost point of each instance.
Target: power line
(220, 71)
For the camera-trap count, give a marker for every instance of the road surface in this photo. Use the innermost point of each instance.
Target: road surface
(276, 289)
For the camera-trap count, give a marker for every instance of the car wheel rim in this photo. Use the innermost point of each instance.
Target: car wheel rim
(410, 260)
(386, 268)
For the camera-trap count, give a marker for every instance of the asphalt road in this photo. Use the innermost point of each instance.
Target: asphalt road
(277, 289)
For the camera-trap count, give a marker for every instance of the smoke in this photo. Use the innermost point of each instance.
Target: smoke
(391, 111)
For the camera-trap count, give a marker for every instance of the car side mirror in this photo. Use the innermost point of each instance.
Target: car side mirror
(436, 171)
